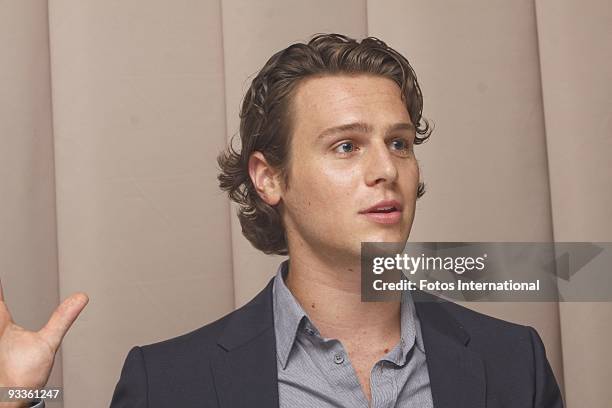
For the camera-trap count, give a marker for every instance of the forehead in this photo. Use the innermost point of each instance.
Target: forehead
(339, 98)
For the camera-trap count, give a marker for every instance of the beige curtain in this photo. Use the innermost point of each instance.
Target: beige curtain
(112, 114)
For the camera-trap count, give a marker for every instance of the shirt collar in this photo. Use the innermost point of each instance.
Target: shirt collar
(410, 330)
(288, 316)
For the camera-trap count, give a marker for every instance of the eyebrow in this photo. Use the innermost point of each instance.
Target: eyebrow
(362, 127)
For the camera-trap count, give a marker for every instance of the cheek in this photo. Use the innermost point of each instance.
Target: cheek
(339, 185)
(411, 175)
(324, 189)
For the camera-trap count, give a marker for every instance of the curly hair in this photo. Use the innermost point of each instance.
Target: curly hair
(265, 124)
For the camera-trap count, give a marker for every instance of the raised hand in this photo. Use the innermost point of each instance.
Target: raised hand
(26, 357)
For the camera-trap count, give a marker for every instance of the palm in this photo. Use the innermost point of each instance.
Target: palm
(26, 357)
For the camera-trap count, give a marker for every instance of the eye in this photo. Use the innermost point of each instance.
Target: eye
(402, 145)
(345, 148)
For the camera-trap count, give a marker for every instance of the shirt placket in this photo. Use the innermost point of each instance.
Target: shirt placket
(384, 378)
(337, 368)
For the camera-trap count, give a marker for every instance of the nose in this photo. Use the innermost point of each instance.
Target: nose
(380, 166)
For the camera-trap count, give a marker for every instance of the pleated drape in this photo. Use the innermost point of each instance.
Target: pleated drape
(28, 233)
(575, 44)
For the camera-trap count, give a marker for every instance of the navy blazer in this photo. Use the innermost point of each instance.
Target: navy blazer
(473, 361)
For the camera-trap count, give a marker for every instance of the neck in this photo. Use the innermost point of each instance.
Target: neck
(330, 293)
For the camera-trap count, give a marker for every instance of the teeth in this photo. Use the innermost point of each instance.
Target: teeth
(383, 209)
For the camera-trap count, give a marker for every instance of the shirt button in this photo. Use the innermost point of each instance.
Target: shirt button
(338, 358)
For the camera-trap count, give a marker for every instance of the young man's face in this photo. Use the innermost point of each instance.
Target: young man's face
(351, 148)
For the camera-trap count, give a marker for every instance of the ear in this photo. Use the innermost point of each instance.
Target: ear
(265, 178)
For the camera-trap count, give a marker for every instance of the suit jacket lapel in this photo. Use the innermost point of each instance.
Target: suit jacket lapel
(244, 367)
(456, 374)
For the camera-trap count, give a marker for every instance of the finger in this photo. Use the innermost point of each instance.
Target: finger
(63, 317)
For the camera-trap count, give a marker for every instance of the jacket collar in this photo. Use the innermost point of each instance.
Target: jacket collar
(249, 321)
(245, 368)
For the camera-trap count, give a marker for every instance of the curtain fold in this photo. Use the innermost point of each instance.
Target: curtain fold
(139, 116)
(575, 55)
(28, 244)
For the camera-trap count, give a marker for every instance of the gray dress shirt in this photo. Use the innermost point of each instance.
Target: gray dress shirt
(314, 371)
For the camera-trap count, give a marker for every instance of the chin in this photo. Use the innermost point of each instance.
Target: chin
(386, 237)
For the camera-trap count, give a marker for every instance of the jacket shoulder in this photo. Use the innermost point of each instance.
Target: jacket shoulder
(178, 371)
(170, 371)
(199, 339)
(499, 342)
(517, 348)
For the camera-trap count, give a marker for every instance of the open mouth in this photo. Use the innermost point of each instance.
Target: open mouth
(384, 215)
(384, 210)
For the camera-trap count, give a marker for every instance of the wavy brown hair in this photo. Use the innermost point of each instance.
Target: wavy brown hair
(265, 122)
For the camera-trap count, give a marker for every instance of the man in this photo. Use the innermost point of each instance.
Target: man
(326, 163)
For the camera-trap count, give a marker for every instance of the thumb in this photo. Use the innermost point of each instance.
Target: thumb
(62, 318)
